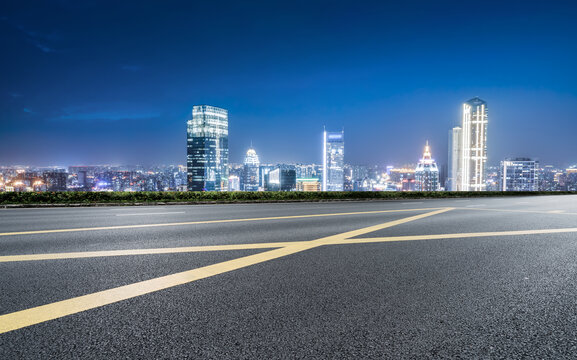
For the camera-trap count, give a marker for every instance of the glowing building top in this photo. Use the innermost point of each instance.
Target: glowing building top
(251, 170)
(427, 172)
(251, 157)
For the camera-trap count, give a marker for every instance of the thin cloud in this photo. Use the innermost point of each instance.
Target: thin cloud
(133, 68)
(105, 115)
(44, 48)
(40, 40)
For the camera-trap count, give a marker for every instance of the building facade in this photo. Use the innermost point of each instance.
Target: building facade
(333, 161)
(308, 184)
(251, 171)
(427, 172)
(474, 146)
(519, 174)
(455, 153)
(207, 149)
(281, 179)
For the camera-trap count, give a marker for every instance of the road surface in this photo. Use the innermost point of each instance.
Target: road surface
(469, 278)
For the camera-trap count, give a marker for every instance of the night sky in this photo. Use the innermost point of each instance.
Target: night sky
(94, 82)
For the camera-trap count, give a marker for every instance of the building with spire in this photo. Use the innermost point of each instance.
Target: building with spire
(427, 172)
(251, 170)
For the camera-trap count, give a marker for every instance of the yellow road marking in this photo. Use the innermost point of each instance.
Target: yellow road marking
(452, 236)
(518, 211)
(327, 241)
(39, 314)
(206, 222)
(106, 253)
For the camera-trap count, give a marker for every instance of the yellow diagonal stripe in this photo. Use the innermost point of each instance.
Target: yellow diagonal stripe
(36, 315)
(452, 236)
(117, 227)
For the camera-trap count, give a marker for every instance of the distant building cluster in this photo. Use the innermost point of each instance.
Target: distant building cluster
(93, 178)
(208, 169)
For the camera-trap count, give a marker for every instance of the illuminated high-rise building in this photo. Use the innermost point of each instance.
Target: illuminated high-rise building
(233, 183)
(207, 149)
(427, 172)
(251, 167)
(473, 146)
(455, 153)
(519, 174)
(333, 161)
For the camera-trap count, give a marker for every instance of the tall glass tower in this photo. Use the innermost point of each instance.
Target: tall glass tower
(207, 149)
(333, 161)
(455, 153)
(474, 146)
(251, 167)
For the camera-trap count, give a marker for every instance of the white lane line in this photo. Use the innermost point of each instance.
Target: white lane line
(129, 208)
(557, 211)
(477, 205)
(146, 214)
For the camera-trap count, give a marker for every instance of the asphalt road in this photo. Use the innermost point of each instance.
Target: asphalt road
(455, 278)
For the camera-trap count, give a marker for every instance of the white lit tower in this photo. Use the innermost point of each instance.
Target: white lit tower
(427, 172)
(455, 153)
(333, 161)
(251, 167)
(473, 146)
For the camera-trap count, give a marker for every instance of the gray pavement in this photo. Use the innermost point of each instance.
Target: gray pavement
(427, 294)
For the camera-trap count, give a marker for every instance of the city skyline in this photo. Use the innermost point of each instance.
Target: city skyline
(392, 75)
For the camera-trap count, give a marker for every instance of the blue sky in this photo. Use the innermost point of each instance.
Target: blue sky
(112, 82)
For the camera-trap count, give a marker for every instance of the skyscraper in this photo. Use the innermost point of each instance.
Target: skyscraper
(251, 167)
(427, 173)
(518, 174)
(207, 149)
(455, 153)
(474, 145)
(333, 161)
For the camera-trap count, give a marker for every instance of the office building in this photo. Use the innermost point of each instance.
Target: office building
(55, 180)
(519, 174)
(281, 179)
(427, 172)
(473, 146)
(333, 161)
(251, 170)
(207, 149)
(233, 183)
(308, 184)
(455, 152)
